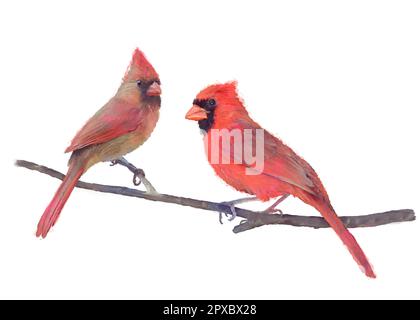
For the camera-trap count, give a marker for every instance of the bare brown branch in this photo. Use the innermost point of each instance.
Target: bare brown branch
(252, 220)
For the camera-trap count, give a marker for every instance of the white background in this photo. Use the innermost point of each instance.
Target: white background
(337, 81)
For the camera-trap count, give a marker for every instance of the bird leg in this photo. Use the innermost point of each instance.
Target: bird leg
(139, 175)
(272, 208)
(232, 204)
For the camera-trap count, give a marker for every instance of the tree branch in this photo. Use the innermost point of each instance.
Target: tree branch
(252, 220)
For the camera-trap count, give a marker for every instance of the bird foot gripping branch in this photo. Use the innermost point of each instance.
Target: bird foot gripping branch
(273, 208)
(232, 210)
(231, 205)
(139, 176)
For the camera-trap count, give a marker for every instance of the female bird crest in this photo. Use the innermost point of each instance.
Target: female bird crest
(139, 67)
(140, 76)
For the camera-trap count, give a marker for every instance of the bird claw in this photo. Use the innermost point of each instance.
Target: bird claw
(113, 163)
(273, 211)
(231, 205)
(138, 176)
(232, 208)
(233, 214)
(273, 208)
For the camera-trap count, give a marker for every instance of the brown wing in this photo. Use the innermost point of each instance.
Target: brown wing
(113, 120)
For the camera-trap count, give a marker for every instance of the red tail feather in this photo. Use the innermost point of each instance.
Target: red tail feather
(52, 212)
(348, 239)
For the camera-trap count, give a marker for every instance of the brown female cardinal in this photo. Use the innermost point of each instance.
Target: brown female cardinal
(124, 123)
(218, 108)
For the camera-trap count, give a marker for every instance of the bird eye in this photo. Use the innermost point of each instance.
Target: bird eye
(211, 102)
(139, 83)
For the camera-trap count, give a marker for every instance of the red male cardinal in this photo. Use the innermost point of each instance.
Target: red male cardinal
(124, 123)
(284, 173)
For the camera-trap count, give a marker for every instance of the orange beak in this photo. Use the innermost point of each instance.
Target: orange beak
(196, 113)
(154, 90)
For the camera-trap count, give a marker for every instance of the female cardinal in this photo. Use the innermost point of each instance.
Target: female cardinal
(124, 123)
(283, 173)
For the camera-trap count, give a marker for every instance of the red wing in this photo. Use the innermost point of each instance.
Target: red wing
(113, 120)
(281, 162)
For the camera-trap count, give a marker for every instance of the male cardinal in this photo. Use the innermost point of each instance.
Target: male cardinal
(124, 123)
(283, 173)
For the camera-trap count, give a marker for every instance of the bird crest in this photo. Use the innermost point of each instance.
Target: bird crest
(139, 68)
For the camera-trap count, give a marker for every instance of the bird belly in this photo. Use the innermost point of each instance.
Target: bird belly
(262, 186)
(120, 146)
